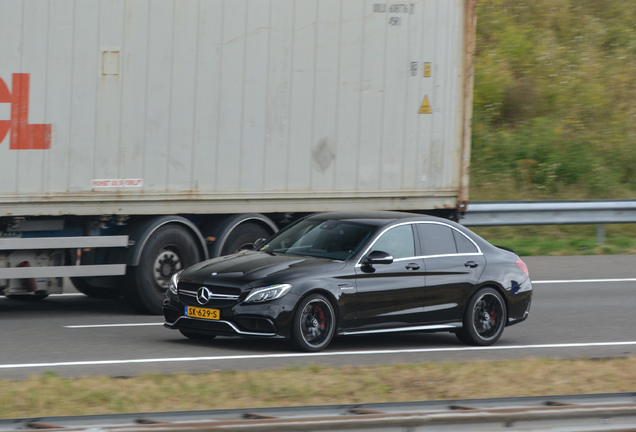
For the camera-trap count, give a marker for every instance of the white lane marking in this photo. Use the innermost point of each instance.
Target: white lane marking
(320, 354)
(583, 281)
(112, 325)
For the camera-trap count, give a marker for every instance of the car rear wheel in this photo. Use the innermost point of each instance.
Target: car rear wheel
(484, 318)
(314, 324)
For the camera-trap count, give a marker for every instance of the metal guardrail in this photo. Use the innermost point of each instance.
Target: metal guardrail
(500, 213)
(601, 412)
(506, 213)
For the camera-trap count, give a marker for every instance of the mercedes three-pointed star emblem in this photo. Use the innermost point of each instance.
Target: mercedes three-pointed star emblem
(203, 295)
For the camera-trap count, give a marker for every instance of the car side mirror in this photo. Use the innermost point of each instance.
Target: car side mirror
(259, 242)
(377, 257)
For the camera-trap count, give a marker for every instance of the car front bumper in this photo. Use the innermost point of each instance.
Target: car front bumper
(268, 320)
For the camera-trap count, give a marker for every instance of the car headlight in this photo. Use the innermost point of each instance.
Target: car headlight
(271, 292)
(174, 281)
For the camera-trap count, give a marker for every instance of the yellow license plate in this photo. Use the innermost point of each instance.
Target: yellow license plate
(204, 313)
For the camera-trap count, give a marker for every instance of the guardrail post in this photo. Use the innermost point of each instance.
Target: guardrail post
(600, 234)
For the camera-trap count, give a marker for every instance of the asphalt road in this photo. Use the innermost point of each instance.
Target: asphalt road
(582, 307)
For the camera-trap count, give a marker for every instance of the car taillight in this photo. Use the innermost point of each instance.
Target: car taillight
(523, 267)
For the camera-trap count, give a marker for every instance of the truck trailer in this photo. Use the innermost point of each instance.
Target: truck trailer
(138, 137)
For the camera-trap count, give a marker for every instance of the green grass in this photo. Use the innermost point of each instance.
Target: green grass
(554, 100)
(554, 115)
(50, 395)
(553, 240)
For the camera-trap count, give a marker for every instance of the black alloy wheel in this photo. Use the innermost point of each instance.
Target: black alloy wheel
(484, 319)
(314, 324)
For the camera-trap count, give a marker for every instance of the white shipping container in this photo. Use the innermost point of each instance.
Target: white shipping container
(206, 106)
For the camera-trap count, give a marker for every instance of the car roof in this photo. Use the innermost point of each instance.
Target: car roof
(386, 218)
(375, 218)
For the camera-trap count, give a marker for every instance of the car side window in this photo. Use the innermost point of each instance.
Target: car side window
(464, 245)
(436, 239)
(398, 241)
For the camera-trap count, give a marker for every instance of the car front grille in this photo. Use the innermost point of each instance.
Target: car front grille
(220, 296)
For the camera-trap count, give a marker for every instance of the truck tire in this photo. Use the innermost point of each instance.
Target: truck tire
(88, 287)
(243, 237)
(169, 249)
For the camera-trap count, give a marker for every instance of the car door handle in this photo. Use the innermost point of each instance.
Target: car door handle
(471, 264)
(412, 266)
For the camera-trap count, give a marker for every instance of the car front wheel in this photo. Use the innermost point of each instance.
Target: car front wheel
(484, 318)
(314, 324)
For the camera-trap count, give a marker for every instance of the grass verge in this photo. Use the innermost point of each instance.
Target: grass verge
(50, 395)
(560, 240)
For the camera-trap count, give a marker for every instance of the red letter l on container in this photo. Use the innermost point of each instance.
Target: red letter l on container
(24, 136)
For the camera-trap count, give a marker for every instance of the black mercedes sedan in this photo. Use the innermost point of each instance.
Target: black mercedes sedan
(335, 274)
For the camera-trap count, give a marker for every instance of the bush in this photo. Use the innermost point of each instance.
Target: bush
(554, 100)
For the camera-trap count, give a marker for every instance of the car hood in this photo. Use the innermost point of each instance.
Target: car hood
(246, 267)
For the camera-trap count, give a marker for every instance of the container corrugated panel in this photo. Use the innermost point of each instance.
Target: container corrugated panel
(162, 106)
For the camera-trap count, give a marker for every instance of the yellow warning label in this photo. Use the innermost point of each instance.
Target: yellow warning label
(426, 107)
(427, 69)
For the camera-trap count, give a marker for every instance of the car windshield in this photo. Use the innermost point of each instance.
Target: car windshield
(334, 239)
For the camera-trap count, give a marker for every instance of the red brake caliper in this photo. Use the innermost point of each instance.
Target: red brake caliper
(321, 317)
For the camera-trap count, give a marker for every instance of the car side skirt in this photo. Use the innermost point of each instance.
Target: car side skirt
(439, 327)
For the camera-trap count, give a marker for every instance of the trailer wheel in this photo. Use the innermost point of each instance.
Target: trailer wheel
(85, 286)
(169, 249)
(243, 237)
